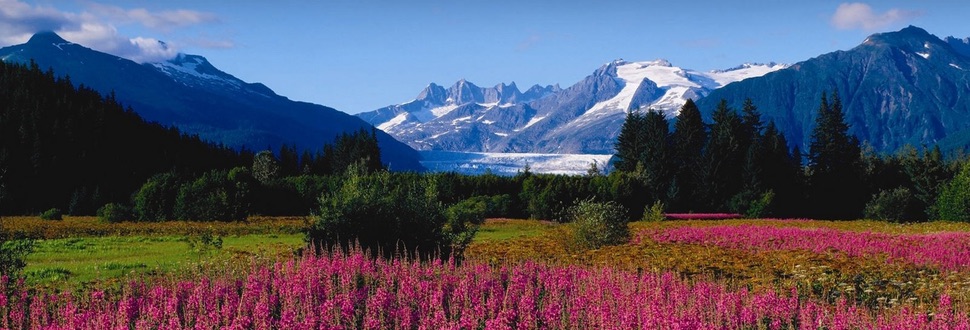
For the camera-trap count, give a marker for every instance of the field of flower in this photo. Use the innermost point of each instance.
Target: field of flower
(692, 274)
(350, 291)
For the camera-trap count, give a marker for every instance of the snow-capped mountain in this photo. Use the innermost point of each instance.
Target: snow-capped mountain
(190, 93)
(438, 111)
(584, 118)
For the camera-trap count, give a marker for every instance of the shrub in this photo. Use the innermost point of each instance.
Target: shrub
(493, 206)
(894, 205)
(114, 212)
(760, 207)
(954, 200)
(598, 224)
(155, 200)
(654, 212)
(266, 168)
(204, 242)
(463, 221)
(52, 214)
(381, 212)
(13, 254)
(216, 195)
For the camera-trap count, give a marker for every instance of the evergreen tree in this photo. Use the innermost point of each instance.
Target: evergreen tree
(834, 158)
(630, 143)
(307, 162)
(751, 119)
(348, 149)
(289, 161)
(655, 160)
(723, 157)
(782, 173)
(926, 173)
(755, 149)
(687, 144)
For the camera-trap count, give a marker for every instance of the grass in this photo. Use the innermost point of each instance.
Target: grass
(506, 229)
(74, 262)
(81, 251)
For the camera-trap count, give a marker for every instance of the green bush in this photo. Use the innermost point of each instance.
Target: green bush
(463, 221)
(497, 206)
(598, 224)
(13, 254)
(760, 207)
(155, 200)
(114, 212)
(896, 205)
(382, 212)
(52, 214)
(204, 242)
(216, 195)
(654, 212)
(954, 201)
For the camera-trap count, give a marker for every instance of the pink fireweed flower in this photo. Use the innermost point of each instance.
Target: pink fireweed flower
(947, 250)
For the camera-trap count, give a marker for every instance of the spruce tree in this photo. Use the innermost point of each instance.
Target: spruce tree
(629, 144)
(289, 161)
(836, 190)
(754, 146)
(723, 157)
(687, 145)
(654, 158)
(927, 172)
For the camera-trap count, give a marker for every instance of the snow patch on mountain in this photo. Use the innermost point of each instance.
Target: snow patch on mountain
(745, 71)
(533, 121)
(676, 82)
(397, 120)
(192, 70)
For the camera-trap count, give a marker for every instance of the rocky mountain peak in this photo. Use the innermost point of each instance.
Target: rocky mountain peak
(46, 37)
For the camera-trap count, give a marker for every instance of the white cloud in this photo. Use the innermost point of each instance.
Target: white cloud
(163, 20)
(96, 28)
(857, 15)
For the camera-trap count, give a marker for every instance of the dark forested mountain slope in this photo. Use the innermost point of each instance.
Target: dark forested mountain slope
(61, 146)
(898, 88)
(191, 94)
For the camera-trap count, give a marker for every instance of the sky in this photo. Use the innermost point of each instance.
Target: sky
(361, 55)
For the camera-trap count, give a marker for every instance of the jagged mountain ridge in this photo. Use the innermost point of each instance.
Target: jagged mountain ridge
(584, 118)
(900, 88)
(193, 95)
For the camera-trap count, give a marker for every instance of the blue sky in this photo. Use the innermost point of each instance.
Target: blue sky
(361, 55)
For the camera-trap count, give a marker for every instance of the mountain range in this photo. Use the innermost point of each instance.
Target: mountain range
(900, 88)
(190, 93)
(583, 118)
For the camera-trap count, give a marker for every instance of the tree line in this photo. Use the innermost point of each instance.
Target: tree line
(738, 163)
